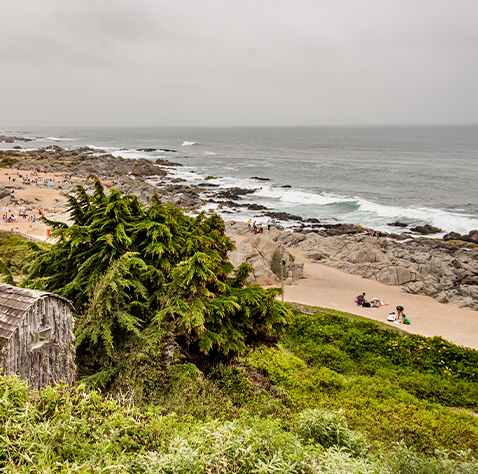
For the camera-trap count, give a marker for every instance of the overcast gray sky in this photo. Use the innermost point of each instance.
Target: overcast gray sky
(242, 62)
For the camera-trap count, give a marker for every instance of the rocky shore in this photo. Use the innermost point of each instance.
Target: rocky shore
(419, 265)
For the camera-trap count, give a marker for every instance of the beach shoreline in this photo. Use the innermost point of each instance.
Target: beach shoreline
(321, 285)
(327, 287)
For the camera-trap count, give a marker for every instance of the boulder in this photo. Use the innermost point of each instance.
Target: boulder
(314, 255)
(257, 251)
(372, 255)
(296, 270)
(441, 297)
(426, 229)
(452, 236)
(237, 228)
(4, 192)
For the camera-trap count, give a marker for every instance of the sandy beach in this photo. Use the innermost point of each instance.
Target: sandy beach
(39, 196)
(328, 287)
(320, 286)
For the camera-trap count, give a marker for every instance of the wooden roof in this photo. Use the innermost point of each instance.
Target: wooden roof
(14, 304)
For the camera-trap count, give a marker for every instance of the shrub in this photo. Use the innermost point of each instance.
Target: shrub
(277, 264)
(329, 429)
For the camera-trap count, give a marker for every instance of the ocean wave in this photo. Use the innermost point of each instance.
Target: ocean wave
(59, 139)
(208, 153)
(189, 143)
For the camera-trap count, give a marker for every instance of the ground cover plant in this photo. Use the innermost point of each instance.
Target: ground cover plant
(66, 430)
(15, 255)
(390, 385)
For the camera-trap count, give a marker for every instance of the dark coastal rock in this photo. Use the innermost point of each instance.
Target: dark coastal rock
(398, 224)
(226, 204)
(426, 229)
(234, 193)
(340, 229)
(260, 179)
(313, 220)
(255, 207)
(286, 186)
(283, 216)
(452, 236)
(471, 237)
(7, 139)
(163, 162)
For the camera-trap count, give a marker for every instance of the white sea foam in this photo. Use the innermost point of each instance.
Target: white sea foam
(209, 153)
(296, 197)
(59, 139)
(189, 143)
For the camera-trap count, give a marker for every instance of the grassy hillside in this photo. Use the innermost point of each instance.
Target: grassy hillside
(335, 396)
(15, 255)
(338, 394)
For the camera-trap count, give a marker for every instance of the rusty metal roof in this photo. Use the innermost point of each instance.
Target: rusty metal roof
(14, 304)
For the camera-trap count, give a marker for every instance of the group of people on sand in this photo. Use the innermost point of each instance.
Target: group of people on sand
(373, 303)
(398, 318)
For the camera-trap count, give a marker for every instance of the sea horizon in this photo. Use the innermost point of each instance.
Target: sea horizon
(360, 174)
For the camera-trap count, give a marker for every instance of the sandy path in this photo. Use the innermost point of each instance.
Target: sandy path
(328, 287)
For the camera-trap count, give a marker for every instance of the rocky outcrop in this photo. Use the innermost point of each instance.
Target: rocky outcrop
(421, 265)
(257, 250)
(471, 237)
(4, 192)
(85, 161)
(9, 139)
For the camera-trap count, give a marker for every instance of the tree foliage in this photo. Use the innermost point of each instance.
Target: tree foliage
(129, 268)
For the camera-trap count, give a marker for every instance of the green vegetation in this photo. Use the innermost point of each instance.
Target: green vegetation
(277, 264)
(15, 255)
(7, 161)
(143, 279)
(194, 377)
(77, 430)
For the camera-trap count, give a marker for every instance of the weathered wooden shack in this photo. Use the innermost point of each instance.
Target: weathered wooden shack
(36, 336)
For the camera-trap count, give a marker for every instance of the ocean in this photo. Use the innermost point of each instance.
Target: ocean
(370, 176)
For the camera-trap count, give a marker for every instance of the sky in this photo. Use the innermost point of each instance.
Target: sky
(238, 63)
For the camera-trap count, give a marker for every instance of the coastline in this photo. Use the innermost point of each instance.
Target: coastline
(328, 287)
(321, 285)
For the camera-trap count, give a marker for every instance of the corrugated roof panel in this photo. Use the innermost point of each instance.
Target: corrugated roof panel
(14, 303)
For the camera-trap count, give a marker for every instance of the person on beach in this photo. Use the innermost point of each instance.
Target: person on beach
(360, 299)
(391, 317)
(399, 312)
(375, 303)
(405, 320)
